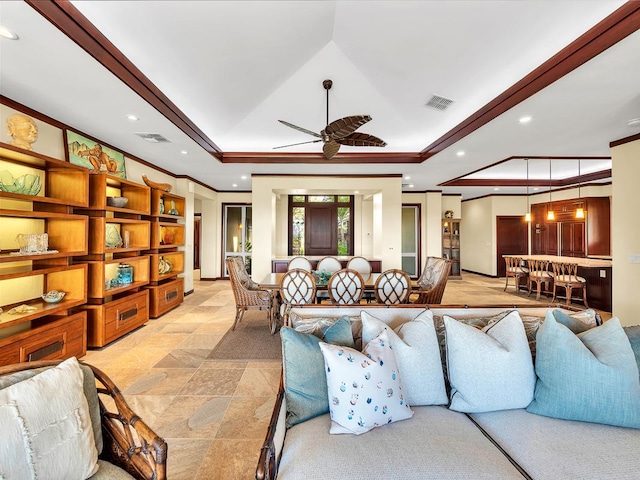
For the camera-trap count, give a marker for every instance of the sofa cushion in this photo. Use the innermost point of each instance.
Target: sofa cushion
(633, 333)
(109, 471)
(418, 355)
(489, 369)
(365, 389)
(435, 444)
(46, 426)
(303, 369)
(549, 448)
(590, 377)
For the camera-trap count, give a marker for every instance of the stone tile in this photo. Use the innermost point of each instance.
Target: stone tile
(258, 382)
(185, 457)
(192, 417)
(217, 327)
(161, 381)
(179, 327)
(214, 381)
(230, 460)
(123, 377)
(277, 364)
(149, 407)
(200, 341)
(246, 418)
(163, 340)
(140, 357)
(183, 358)
(222, 364)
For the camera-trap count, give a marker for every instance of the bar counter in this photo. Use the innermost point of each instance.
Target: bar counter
(596, 271)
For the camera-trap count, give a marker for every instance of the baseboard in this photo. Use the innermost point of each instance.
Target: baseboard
(478, 273)
(189, 292)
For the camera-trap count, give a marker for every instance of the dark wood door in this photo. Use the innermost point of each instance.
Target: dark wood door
(552, 239)
(572, 241)
(511, 238)
(321, 230)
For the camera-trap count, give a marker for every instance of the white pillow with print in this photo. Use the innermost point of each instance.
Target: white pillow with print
(365, 390)
(489, 369)
(415, 344)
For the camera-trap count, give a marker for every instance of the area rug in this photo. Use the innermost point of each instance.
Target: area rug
(250, 341)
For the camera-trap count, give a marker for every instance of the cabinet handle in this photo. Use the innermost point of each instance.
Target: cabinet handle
(46, 350)
(128, 314)
(171, 295)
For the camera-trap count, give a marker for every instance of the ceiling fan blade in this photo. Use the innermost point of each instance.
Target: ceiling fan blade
(300, 129)
(362, 140)
(330, 149)
(344, 126)
(301, 143)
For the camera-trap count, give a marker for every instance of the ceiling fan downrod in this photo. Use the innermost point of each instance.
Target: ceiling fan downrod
(327, 84)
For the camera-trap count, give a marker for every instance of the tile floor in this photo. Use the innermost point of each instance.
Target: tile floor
(214, 414)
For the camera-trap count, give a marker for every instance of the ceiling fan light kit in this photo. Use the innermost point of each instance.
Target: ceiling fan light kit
(339, 132)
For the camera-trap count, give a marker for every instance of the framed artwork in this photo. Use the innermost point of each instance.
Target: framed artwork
(30, 133)
(95, 156)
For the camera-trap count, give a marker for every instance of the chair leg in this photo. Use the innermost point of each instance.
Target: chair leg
(584, 295)
(506, 282)
(569, 290)
(239, 315)
(529, 286)
(555, 289)
(539, 282)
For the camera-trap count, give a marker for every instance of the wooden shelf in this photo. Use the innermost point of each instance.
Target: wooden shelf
(102, 186)
(166, 197)
(138, 234)
(165, 235)
(176, 258)
(451, 244)
(101, 271)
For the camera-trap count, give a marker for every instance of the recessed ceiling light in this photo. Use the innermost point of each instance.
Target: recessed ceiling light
(496, 189)
(411, 185)
(460, 153)
(183, 152)
(525, 119)
(634, 122)
(133, 118)
(234, 185)
(243, 177)
(535, 189)
(407, 177)
(8, 34)
(356, 192)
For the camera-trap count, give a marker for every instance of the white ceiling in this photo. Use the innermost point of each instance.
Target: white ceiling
(235, 67)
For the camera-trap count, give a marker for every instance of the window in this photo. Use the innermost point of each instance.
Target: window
(320, 225)
(237, 234)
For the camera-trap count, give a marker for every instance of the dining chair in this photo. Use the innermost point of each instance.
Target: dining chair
(363, 267)
(393, 287)
(433, 280)
(248, 294)
(297, 287)
(540, 275)
(330, 265)
(565, 275)
(346, 287)
(515, 270)
(299, 262)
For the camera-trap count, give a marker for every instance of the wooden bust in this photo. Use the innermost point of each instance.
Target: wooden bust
(23, 130)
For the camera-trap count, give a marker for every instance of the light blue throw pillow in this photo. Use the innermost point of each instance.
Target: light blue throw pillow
(305, 383)
(589, 377)
(633, 332)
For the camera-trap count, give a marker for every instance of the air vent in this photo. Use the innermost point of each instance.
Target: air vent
(152, 137)
(439, 103)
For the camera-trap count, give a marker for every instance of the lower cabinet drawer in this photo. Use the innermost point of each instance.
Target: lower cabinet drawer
(52, 338)
(165, 297)
(110, 321)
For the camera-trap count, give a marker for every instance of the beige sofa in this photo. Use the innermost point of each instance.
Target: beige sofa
(440, 443)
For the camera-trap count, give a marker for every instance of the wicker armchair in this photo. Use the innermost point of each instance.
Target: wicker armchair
(127, 441)
(433, 280)
(248, 294)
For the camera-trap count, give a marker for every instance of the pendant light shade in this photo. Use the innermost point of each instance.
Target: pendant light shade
(579, 210)
(550, 214)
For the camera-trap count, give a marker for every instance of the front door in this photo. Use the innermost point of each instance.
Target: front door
(512, 238)
(322, 234)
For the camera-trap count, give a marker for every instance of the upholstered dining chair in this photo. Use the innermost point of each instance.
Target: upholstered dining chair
(248, 294)
(329, 265)
(346, 287)
(393, 287)
(565, 275)
(540, 275)
(516, 271)
(299, 262)
(433, 280)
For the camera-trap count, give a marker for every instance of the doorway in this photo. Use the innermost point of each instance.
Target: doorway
(411, 239)
(512, 238)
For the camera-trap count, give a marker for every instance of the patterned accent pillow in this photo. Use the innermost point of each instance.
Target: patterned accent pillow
(365, 390)
(314, 325)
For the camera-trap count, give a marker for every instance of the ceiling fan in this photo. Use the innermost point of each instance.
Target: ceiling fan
(339, 132)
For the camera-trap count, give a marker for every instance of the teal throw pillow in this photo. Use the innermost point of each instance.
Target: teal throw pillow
(305, 383)
(589, 377)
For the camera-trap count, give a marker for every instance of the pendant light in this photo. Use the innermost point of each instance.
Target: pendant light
(579, 210)
(550, 214)
(527, 216)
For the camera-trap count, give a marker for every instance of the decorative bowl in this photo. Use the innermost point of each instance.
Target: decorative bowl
(53, 296)
(27, 184)
(117, 201)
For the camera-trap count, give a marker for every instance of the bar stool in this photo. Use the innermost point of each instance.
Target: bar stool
(540, 275)
(515, 270)
(566, 276)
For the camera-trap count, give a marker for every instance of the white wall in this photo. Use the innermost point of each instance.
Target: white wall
(268, 214)
(626, 232)
(476, 236)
